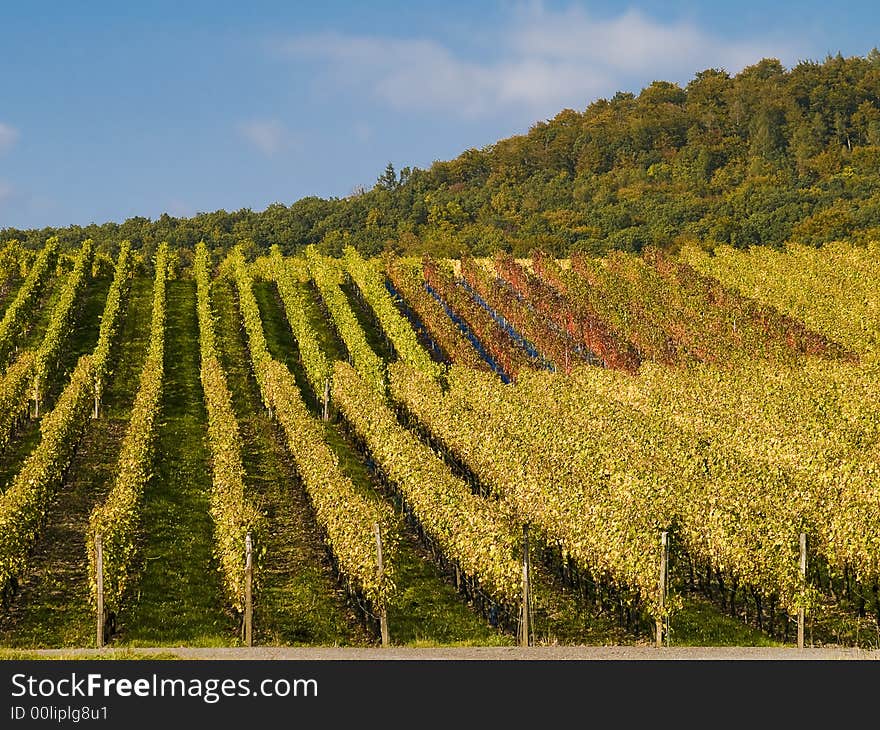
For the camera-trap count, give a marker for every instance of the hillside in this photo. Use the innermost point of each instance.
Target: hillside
(767, 156)
(677, 448)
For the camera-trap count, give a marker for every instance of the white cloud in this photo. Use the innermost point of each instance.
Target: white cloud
(269, 136)
(631, 43)
(424, 75)
(8, 136)
(544, 60)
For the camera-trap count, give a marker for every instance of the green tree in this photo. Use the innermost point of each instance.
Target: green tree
(388, 179)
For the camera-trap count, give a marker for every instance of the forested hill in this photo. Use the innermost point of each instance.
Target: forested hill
(763, 157)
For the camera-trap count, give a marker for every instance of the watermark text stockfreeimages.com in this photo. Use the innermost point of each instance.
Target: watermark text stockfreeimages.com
(210, 690)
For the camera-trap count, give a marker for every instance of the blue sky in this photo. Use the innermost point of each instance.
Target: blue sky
(109, 111)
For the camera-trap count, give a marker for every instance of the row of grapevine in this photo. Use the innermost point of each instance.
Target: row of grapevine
(751, 323)
(16, 386)
(610, 297)
(346, 516)
(409, 283)
(553, 344)
(628, 322)
(314, 362)
(328, 278)
(692, 318)
(60, 324)
(597, 520)
(250, 315)
(472, 532)
(511, 358)
(117, 520)
(15, 395)
(576, 318)
(20, 309)
(834, 290)
(232, 512)
(819, 424)
(623, 475)
(24, 505)
(15, 260)
(111, 319)
(371, 285)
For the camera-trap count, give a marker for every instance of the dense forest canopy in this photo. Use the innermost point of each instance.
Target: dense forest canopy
(763, 157)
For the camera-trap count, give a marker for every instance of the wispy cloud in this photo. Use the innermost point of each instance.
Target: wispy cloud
(269, 136)
(419, 75)
(8, 136)
(6, 191)
(632, 43)
(542, 60)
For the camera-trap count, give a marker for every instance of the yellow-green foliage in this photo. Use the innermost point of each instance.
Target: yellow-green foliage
(250, 314)
(834, 290)
(117, 519)
(396, 327)
(23, 506)
(328, 277)
(603, 519)
(346, 516)
(14, 394)
(110, 320)
(817, 425)
(15, 261)
(233, 514)
(314, 362)
(474, 532)
(603, 479)
(61, 321)
(20, 309)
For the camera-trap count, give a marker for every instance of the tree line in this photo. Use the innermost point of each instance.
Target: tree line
(763, 157)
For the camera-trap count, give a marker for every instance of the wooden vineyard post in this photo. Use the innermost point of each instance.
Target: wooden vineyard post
(383, 613)
(326, 413)
(99, 571)
(249, 590)
(801, 609)
(525, 639)
(95, 415)
(664, 569)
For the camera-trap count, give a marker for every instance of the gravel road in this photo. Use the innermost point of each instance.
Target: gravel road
(575, 653)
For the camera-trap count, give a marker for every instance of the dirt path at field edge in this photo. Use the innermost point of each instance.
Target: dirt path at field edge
(553, 653)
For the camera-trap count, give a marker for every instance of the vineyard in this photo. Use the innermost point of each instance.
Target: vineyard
(301, 450)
